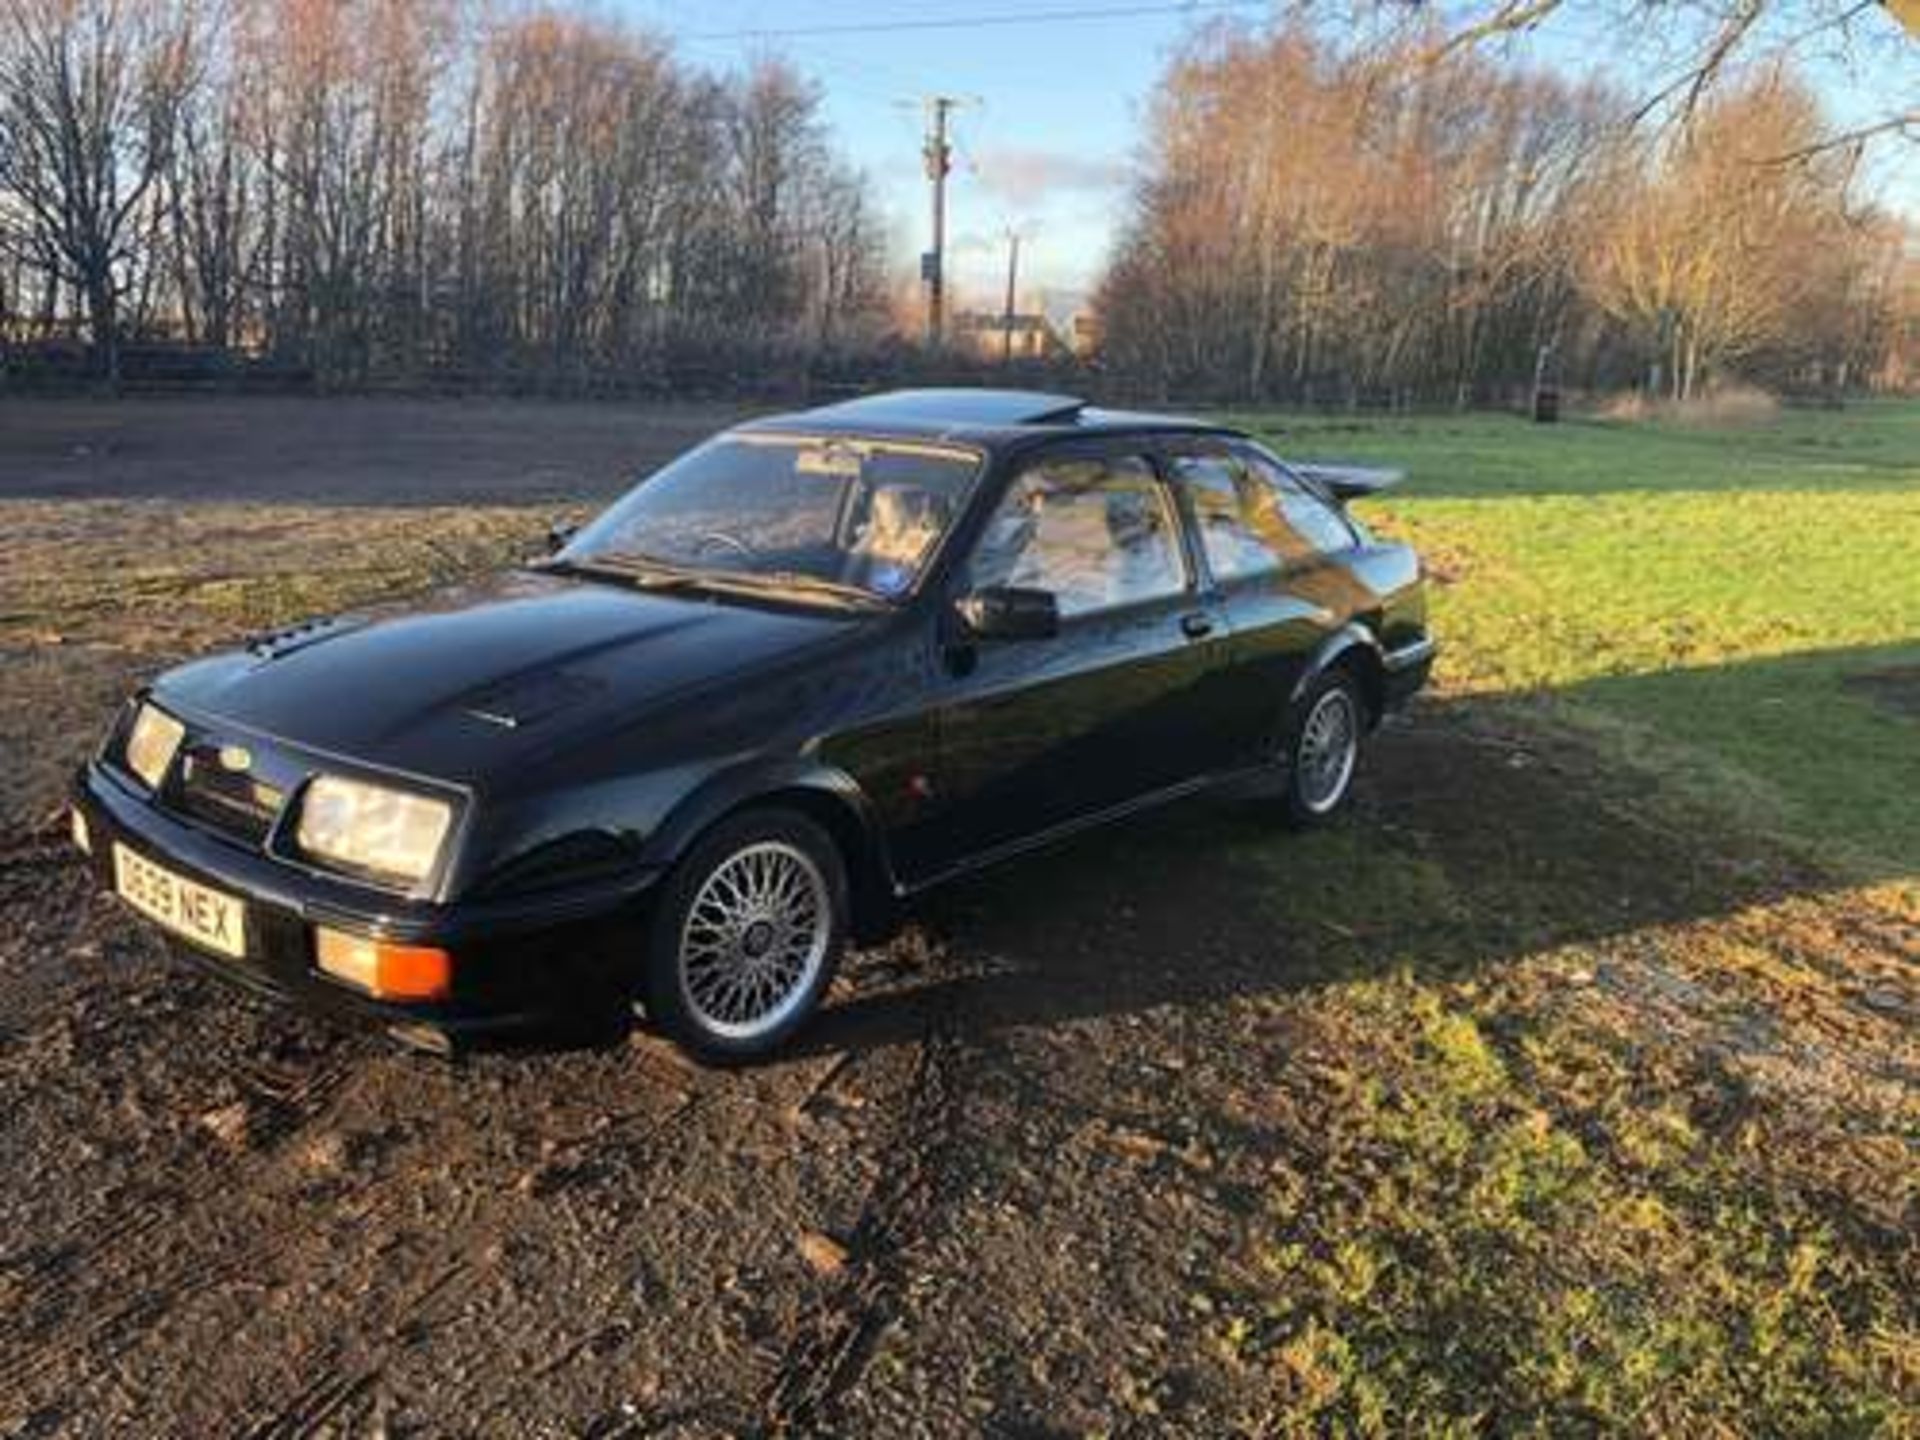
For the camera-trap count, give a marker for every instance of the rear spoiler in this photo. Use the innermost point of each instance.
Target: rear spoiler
(1349, 482)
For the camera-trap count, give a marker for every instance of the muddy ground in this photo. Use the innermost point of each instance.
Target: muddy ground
(1084, 1151)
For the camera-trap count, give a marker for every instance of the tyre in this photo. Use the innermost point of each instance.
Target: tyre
(747, 935)
(1322, 749)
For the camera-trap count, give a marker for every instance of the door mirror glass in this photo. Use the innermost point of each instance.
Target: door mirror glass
(1008, 612)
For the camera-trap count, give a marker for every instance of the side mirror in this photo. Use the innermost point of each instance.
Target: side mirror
(559, 532)
(1007, 612)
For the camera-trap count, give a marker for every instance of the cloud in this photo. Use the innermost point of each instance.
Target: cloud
(1025, 176)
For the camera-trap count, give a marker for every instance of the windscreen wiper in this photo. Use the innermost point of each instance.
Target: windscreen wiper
(795, 582)
(646, 573)
(638, 571)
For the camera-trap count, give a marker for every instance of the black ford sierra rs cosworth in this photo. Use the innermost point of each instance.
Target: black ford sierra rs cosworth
(822, 662)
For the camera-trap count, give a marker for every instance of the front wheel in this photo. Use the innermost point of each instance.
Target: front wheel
(1322, 749)
(747, 935)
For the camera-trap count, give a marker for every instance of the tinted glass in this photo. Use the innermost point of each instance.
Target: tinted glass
(1320, 528)
(861, 513)
(1096, 532)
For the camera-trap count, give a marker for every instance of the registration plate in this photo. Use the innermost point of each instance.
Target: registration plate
(204, 916)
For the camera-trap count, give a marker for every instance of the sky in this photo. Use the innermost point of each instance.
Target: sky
(1055, 93)
(1043, 143)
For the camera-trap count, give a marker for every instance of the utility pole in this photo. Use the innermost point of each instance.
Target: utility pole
(939, 157)
(1013, 273)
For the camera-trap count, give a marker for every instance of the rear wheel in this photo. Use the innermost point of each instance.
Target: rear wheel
(747, 935)
(1322, 749)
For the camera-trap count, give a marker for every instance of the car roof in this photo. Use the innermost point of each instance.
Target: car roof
(993, 419)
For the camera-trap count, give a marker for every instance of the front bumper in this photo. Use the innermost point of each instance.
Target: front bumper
(521, 964)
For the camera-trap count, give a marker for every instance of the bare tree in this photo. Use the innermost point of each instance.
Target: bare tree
(398, 190)
(396, 187)
(1326, 223)
(1711, 256)
(1402, 221)
(90, 97)
(1693, 45)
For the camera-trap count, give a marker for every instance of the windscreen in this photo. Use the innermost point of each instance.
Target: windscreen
(862, 513)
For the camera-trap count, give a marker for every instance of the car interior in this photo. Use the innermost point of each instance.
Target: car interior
(1096, 534)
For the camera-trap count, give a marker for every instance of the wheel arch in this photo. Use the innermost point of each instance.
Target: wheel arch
(1353, 648)
(830, 798)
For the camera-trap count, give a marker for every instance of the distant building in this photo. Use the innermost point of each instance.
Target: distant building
(985, 335)
(1083, 333)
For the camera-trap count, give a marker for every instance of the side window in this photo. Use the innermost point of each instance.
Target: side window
(1241, 527)
(1098, 533)
(1320, 528)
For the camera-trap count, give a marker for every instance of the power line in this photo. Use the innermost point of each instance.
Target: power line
(972, 22)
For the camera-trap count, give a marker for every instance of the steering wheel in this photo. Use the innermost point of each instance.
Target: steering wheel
(716, 538)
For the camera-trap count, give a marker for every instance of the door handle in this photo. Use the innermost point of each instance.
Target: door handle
(1196, 626)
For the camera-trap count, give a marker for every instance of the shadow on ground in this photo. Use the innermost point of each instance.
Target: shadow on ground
(1819, 745)
(1467, 849)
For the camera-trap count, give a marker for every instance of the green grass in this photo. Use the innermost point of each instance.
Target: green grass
(1533, 1236)
(1703, 602)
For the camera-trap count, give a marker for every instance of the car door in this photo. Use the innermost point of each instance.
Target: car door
(1273, 550)
(1037, 733)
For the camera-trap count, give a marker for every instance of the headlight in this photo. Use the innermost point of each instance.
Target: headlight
(151, 744)
(389, 833)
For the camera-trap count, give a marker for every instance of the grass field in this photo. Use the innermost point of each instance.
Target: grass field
(1737, 611)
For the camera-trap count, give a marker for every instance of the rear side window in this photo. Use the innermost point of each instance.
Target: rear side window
(1096, 532)
(1242, 527)
(1320, 527)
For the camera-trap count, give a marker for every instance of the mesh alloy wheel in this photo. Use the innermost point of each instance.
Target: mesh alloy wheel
(1322, 749)
(746, 934)
(754, 940)
(1329, 745)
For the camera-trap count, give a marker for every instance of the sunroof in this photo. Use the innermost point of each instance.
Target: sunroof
(961, 407)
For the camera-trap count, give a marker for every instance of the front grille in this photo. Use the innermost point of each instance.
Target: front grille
(224, 796)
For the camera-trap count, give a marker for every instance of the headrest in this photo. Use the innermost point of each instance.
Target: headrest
(905, 510)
